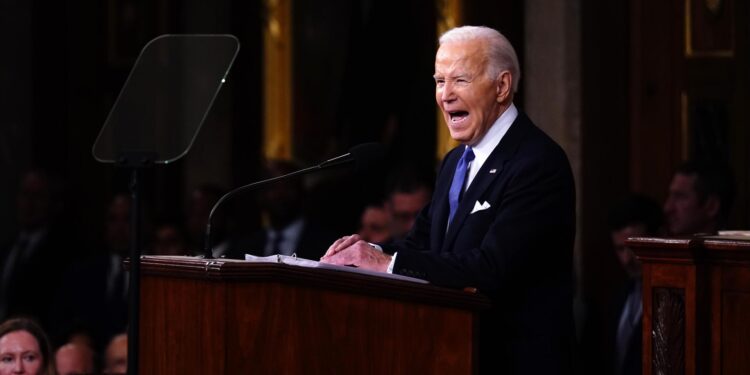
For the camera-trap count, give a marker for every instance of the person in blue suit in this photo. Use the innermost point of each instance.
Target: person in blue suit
(502, 216)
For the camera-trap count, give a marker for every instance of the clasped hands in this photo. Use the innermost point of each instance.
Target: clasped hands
(353, 251)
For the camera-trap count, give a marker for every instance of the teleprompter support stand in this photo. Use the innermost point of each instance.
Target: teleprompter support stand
(155, 120)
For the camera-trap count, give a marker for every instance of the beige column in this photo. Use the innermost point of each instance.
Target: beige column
(551, 83)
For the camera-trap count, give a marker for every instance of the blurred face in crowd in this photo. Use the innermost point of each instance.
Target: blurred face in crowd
(199, 207)
(168, 240)
(72, 359)
(117, 226)
(116, 358)
(375, 225)
(469, 100)
(685, 211)
(404, 208)
(34, 201)
(20, 354)
(625, 255)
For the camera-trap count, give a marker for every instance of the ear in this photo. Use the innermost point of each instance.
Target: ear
(712, 206)
(503, 86)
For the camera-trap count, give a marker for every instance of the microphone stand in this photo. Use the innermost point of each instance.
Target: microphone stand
(360, 155)
(208, 252)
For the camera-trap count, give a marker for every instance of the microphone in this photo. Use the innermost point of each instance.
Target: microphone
(363, 156)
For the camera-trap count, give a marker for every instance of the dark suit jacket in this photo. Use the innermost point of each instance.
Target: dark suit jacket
(632, 364)
(313, 243)
(82, 303)
(518, 251)
(33, 281)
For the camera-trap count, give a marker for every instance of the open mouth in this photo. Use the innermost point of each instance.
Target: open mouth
(457, 116)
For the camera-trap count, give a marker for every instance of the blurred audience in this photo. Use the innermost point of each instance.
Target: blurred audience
(116, 355)
(24, 348)
(169, 239)
(74, 359)
(93, 299)
(375, 224)
(700, 197)
(286, 228)
(202, 200)
(636, 215)
(409, 189)
(32, 263)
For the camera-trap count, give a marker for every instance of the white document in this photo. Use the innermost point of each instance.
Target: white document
(301, 262)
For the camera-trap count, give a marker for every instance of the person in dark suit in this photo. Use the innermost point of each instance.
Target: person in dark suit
(502, 216)
(92, 300)
(636, 215)
(286, 230)
(32, 263)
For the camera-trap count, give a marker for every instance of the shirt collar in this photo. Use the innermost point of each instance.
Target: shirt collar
(495, 133)
(491, 139)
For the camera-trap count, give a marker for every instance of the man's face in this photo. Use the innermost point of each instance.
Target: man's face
(374, 225)
(404, 208)
(116, 357)
(470, 101)
(685, 212)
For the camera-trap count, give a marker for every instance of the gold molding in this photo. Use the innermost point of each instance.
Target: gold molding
(277, 80)
(450, 15)
(689, 51)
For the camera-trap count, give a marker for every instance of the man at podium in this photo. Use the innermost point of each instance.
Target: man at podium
(502, 216)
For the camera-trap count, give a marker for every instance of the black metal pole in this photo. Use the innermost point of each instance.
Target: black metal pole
(134, 282)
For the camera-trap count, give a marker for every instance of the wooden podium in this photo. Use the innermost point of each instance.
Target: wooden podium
(218, 316)
(696, 305)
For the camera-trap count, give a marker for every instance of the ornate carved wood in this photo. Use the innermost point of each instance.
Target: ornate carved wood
(668, 332)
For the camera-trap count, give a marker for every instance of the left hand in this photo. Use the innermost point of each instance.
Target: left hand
(360, 254)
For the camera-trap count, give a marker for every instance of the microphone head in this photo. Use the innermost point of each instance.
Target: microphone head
(366, 155)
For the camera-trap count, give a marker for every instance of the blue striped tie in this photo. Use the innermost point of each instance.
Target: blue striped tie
(459, 179)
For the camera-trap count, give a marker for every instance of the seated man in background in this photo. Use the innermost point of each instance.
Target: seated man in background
(286, 228)
(116, 355)
(375, 223)
(700, 197)
(636, 215)
(33, 261)
(409, 189)
(200, 202)
(74, 359)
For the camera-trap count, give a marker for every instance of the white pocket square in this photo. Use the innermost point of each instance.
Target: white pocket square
(480, 207)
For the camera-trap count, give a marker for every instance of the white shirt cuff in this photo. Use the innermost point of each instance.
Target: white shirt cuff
(393, 262)
(393, 258)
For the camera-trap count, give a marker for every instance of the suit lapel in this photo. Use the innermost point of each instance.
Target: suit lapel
(484, 179)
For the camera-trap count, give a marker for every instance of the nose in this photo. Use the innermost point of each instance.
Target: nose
(18, 368)
(446, 93)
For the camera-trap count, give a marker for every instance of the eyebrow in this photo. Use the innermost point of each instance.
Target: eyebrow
(453, 77)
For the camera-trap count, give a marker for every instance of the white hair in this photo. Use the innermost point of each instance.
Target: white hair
(500, 53)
